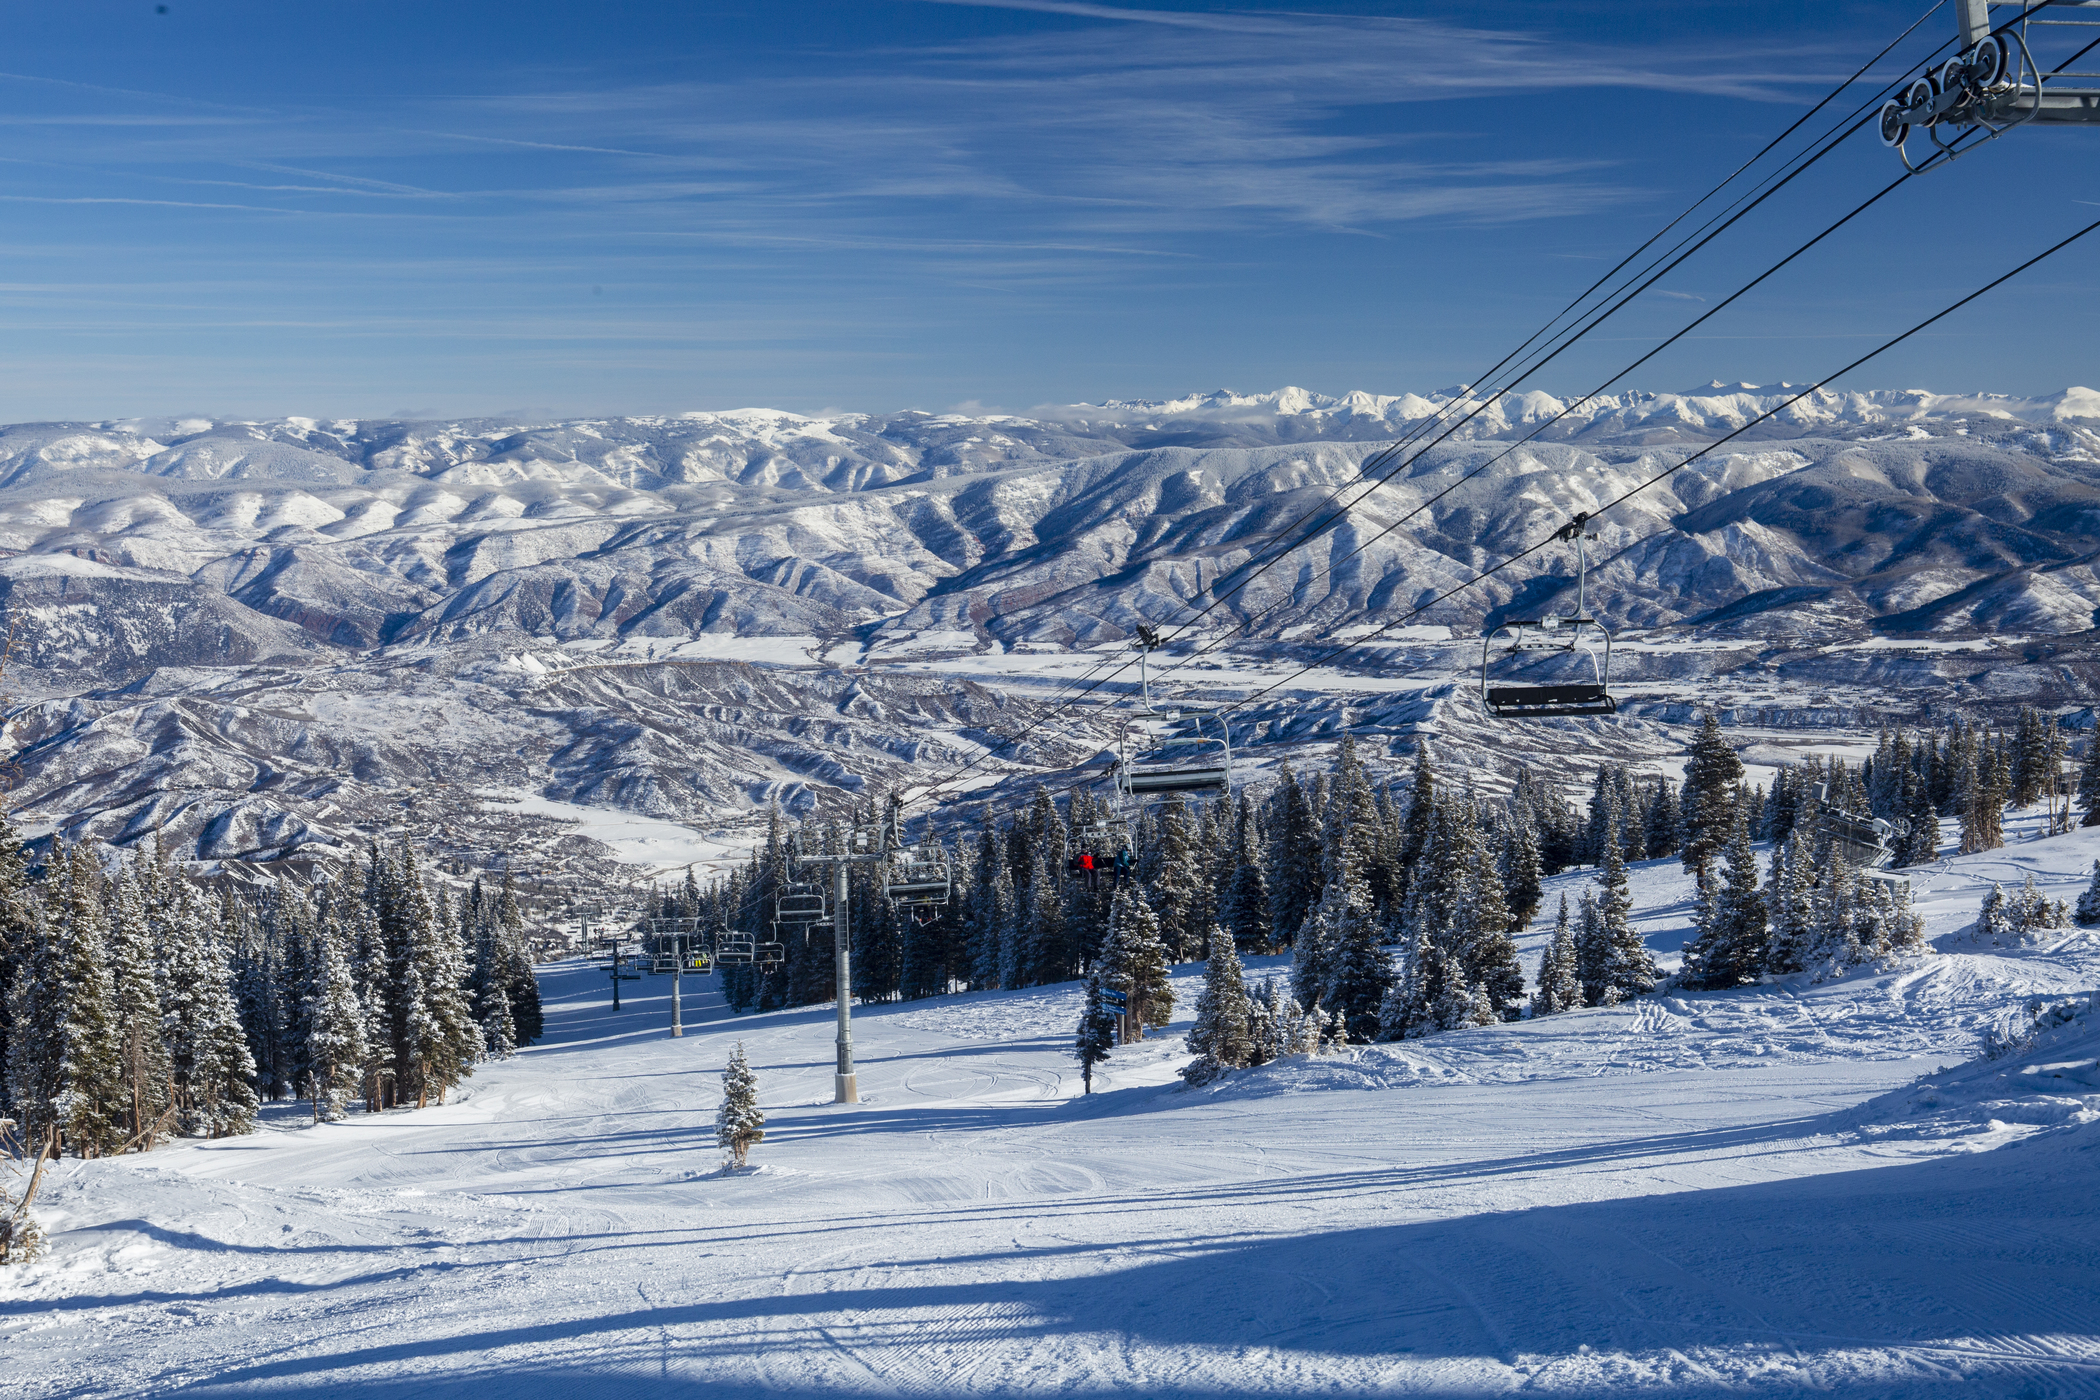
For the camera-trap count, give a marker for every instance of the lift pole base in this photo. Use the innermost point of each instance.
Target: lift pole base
(848, 1088)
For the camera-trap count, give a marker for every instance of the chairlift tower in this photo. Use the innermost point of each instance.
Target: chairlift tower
(862, 850)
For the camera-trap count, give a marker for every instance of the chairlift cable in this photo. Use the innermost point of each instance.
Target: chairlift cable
(1328, 570)
(1633, 491)
(1826, 144)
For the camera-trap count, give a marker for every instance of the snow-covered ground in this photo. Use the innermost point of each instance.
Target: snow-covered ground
(1787, 1189)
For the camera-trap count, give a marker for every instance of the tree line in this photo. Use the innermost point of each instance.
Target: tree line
(137, 1004)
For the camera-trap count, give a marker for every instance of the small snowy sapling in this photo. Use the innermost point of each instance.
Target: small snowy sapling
(740, 1124)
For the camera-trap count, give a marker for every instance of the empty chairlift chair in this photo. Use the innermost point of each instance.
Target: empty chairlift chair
(1569, 635)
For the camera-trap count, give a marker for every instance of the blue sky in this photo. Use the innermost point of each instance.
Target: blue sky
(258, 209)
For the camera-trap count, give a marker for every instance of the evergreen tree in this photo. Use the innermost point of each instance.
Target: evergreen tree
(740, 1124)
(142, 1054)
(1731, 951)
(35, 1011)
(1663, 821)
(1521, 875)
(1220, 1035)
(1790, 905)
(336, 1047)
(214, 1069)
(2089, 782)
(1406, 1010)
(1592, 951)
(1560, 983)
(1710, 777)
(2032, 766)
(89, 1096)
(1982, 819)
(1359, 972)
(1419, 826)
(1294, 872)
(1134, 962)
(1629, 970)
(1920, 842)
(2089, 903)
(441, 1040)
(1097, 1030)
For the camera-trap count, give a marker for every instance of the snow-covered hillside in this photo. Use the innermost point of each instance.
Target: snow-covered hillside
(264, 639)
(1782, 1190)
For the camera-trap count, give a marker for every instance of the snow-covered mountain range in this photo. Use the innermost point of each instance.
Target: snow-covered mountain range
(265, 634)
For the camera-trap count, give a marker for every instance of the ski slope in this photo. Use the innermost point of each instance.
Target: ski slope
(1788, 1189)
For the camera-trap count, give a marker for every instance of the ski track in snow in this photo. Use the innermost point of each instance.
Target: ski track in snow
(1788, 1189)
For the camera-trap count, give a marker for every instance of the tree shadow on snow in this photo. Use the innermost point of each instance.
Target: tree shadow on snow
(1973, 1250)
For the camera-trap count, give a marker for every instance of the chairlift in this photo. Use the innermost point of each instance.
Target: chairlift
(735, 949)
(770, 955)
(800, 902)
(1864, 842)
(1171, 751)
(1578, 632)
(918, 878)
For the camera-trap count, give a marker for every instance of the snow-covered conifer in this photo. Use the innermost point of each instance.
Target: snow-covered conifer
(1560, 985)
(1134, 962)
(1097, 1030)
(1706, 809)
(1629, 968)
(1731, 950)
(2088, 911)
(142, 1053)
(1359, 972)
(740, 1124)
(1992, 925)
(1521, 874)
(1592, 950)
(88, 1099)
(1790, 905)
(336, 1046)
(214, 1069)
(1220, 1035)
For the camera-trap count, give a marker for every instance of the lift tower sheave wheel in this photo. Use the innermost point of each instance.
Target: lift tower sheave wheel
(1997, 80)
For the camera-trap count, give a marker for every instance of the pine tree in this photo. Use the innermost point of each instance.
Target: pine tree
(1294, 873)
(142, 1053)
(740, 1124)
(1982, 819)
(1629, 969)
(1359, 974)
(1134, 962)
(89, 1098)
(1220, 1035)
(1920, 842)
(1406, 1010)
(1416, 830)
(1710, 777)
(2089, 782)
(1992, 924)
(18, 925)
(336, 1047)
(1521, 875)
(214, 1068)
(2089, 903)
(2033, 759)
(1560, 984)
(442, 1040)
(1097, 1030)
(1663, 821)
(1731, 951)
(1592, 951)
(35, 1011)
(1790, 905)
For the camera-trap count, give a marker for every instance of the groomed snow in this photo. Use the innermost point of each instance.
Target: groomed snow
(1775, 1191)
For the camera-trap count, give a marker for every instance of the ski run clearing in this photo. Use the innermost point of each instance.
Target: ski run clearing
(1786, 1189)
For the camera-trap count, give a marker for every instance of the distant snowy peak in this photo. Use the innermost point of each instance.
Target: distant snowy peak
(1710, 406)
